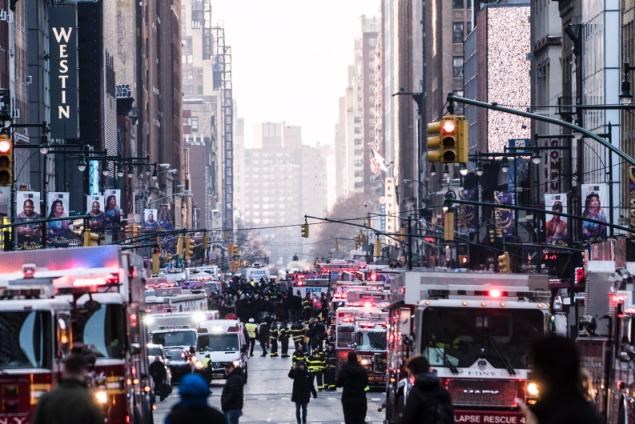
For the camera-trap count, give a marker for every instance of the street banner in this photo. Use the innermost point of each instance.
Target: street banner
(95, 208)
(111, 208)
(556, 229)
(631, 197)
(595, 206)
(59, 233)
(29, 236)
(5, 200)
(466, 214)
(165, 218)
(504, 219)
(64, 122)
(150, 222)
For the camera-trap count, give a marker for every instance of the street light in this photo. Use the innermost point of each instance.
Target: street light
(120, 171)
(626, 97)
(105, 172)
(479, 171)
(81, 165)
(155, 174)
(535, 158)
(463, 170)
(44, 148)
(505, 166)
(130, 171)
(433, 171)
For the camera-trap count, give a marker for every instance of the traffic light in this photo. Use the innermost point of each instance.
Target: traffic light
(305, 230)
(448, 140)
(179, 246)
(91, 239)
(189, 248)
(504, 263)
(232, 250)
(377, 252)
(6, 161)
(205, 242)
(448, 226)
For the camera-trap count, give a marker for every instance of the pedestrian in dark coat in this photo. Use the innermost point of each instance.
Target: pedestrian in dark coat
(193, 407)
(231, 399)
(70, 402)
(303, 388)
(428, 402)
(353, 378)
(556, 367)
(263, 334)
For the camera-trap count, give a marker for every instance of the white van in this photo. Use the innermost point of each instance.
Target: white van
(219, 342)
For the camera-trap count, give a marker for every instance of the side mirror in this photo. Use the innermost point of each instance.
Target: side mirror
(135, 348)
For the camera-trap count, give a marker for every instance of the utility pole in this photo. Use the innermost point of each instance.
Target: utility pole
(409, 242)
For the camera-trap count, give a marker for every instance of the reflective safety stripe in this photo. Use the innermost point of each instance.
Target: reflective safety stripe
(366, 388)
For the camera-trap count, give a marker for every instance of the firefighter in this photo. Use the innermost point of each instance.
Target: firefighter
(329, 372)
(298, 355)
(297, 334)
(317, 364)
(263, 333)
(273, 340)
(283, 336)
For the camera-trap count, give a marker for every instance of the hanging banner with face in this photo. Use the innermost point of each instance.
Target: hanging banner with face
(556, 230)
(595, 206)
(504, 219)
(165, 218)
(466, 215)
(150, 222)
(112, 200)
(58, 233)
(95, 208)
(29, 236)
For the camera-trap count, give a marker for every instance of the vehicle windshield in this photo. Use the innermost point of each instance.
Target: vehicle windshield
(461, 336)
(371, 340)
(103, 327)
(218, 342)
(345, 335)
(154, 351)
(175, 338)
(27, 340)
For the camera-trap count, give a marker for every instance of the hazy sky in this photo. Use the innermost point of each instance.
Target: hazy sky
(290, 59)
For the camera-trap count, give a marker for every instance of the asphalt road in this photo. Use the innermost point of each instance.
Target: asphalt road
(268, 398)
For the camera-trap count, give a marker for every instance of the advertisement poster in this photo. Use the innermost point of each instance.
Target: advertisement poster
(595, 206)
(150, 222)
(112, 199)
(95, 208)
(556, 230)
(504, 218)
(58, 233)
(29, 236)
(165, 218)
(466, 214)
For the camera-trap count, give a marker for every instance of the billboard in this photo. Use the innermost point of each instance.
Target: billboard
(595, 206)
(64, 120)
(58, 233)
(95, 209)
(150, 222)
(112, 200)
(504, 219)
(466, 217)
(556, 227)
(29, 236)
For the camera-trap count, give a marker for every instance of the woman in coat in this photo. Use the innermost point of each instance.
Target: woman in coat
(303, 388)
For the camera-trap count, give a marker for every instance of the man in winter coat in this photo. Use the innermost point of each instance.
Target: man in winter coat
(70, 402)
(231, 399)
(263, 333)
(428, 402)
(193, 407)
(302, 389)
(353, 378)
(159, 375)
(273, 340)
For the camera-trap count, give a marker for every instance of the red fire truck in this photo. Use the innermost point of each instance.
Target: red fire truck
(90, 296)
(363, 329)
(475, 329)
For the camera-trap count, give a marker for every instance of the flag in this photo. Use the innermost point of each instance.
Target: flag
(377, 162)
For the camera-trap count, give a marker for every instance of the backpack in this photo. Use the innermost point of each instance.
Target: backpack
(436, 406)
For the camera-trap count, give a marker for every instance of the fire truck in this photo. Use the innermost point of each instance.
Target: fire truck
(363, 329)
(59, 298)
(475, 330)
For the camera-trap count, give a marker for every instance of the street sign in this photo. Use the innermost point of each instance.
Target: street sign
(518, 145)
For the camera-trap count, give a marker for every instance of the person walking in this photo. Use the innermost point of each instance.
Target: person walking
(273, 340)
(263, 334)
(159, 376)
(556, 368)
(353, 378)
(252, 333)
(231, 398)
(193, 407)
(303, 388)
(283, 336)
(317, 364)
(427, 402)
(307, 307)
(70, 402)
(331, 365)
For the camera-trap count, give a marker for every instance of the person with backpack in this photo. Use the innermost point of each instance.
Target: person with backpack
(353, 378)
(427, 402)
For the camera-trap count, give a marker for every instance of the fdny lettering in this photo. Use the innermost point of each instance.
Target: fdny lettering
(14, 420)
(62, 36)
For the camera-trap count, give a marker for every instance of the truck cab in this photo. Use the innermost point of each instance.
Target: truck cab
(219, 342)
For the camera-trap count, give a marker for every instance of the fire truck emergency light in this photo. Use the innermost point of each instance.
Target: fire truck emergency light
(495, 293)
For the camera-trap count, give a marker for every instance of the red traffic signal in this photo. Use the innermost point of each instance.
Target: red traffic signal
(6, 161)
(5, 145)
(580, 276)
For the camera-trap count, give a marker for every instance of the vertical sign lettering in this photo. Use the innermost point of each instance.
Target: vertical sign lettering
(63, 72)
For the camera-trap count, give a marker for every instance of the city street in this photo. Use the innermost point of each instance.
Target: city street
(268, 398)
